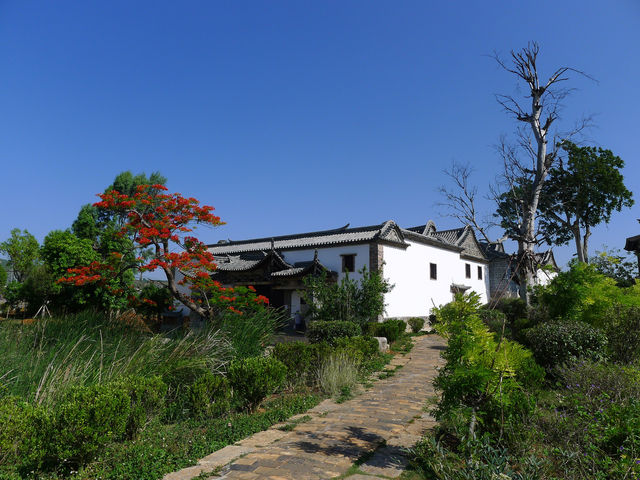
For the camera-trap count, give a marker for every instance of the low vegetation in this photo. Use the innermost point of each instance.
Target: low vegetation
(546, 392)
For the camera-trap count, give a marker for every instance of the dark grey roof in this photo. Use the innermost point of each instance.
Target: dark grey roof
(632, 244)
(493, 250)
(387, 231)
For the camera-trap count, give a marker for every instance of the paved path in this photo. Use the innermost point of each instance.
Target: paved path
(371, 429)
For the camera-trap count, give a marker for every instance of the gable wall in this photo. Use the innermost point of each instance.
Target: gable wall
(414, 293)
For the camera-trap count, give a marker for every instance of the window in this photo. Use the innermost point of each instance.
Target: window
(467, 270)
(349, 262)
(433, 271)
(479, 273)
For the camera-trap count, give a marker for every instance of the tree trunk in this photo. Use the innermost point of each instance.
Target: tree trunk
(578, 239)
(585, 243)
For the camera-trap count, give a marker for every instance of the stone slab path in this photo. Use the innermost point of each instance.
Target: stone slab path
(369, 432)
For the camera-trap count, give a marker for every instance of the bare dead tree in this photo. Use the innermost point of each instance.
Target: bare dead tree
(536, 141)
(460, 200)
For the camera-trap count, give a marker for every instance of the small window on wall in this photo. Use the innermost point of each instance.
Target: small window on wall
(467, 270)
(479, 273)
(349, 263)
(433, 271)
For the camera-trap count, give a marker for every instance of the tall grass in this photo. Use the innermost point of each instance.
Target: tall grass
(337, 372)
(40, 362)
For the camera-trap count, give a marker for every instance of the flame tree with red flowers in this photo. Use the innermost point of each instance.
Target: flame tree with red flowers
(161, 222)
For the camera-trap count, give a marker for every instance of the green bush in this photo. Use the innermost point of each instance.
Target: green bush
(88, 419)
(416, 324)
(391, 329)
(368, 346)
(25, 433)
(209, 396)
(555, 343)
(250, 333)
(329, 331)
(495, 320)
(253, 378)
(513, 308)
(300, 358)
(147, 396)
(623, 334)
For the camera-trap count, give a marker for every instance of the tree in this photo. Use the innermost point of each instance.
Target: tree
(617, 265)
(23, 251)
(159, 221)
(582, 192)
(3, 278)
(525, 182)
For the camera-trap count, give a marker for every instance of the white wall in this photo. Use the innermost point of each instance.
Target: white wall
(414, 293)
(330, 258)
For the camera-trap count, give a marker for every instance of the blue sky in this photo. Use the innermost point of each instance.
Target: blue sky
(292, 116)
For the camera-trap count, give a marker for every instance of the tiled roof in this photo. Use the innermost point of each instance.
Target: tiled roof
(324, 238)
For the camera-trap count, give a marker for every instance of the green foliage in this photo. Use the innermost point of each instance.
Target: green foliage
(23, 251)
(301, 360)
(616, 265)
(209, 396)
(154, 300)
(514, 309)
(582, 293)
(416, 324)
(253, 378)
(623, 334)
(251, 332)
(166, 448)
(558, 342)
(483, 377)
(582, 191)
(329, 331)
(391, 329)
(3, 278)
(348, 300)
(368, 346)
(42, 361)
(474, 460)
(338, 372)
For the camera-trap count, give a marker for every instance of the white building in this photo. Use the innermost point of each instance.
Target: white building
(425, 266)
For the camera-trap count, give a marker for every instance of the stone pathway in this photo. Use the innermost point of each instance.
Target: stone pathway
(369, 432)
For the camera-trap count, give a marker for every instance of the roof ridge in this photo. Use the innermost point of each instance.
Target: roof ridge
(343, 229)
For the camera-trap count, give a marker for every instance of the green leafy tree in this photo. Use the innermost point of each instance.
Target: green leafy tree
(616, 265)
(103, 228)
(62, 250)
(582, 191)
(22, 248)
(3, 278)
(154, 300)
(348, 300)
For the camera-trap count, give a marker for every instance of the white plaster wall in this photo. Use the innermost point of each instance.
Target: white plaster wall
(414, 293)
(330, 258)
(544, 277)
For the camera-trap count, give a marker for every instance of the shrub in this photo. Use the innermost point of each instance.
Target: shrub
(368, 346)
(555, 343)
(209, 396)
(623, 334)
(495, 320)
(25, 433)
(253, 378)
(483, 379)
(513, 308)
(147, 396)
(337, 372)
(391, 329)
(416, 324)
(359, 301)
(88, 419)
(300, 358)
(329, 331)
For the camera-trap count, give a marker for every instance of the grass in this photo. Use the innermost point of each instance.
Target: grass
(337, 372)
(294, 423)
(40, 362)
